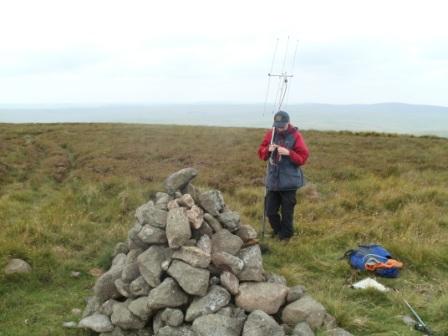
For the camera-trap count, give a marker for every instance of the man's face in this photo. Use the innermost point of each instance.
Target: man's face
(282, 129)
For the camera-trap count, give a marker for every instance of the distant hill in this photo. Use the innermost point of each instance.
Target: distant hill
(383, 117)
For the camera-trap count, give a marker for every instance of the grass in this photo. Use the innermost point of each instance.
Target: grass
(68, 192)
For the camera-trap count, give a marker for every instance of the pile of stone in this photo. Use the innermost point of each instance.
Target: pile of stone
(190, 268)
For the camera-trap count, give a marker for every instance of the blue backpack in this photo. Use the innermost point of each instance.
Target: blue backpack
(374, 258)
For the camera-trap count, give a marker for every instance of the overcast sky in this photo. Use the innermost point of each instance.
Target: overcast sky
(350, 51)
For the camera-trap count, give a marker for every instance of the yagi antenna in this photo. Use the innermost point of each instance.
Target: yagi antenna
(283, 78)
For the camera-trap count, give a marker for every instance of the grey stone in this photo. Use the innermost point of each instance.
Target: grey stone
(157, 322)
(212, 202)
(230, 282)
(130, 270)
(302, 329)
(193, 256)
(330, 322)
(178, 229)
(213, 222)
(186, 201)
(176, 331)
(105, 285)
(227, 262)
(224, 241)
(253, 264)
(167, 295)
(205, 244)
(120, 248)
(149, 263)
(193, 191)
(179, 180)
(305, 309)
(96, 322)
(195, 216)
(295, 293)
(259, 323)
(155, 217)
(139, 307)
(162, 200)
(134, 241)
(173, 204)
(70, 325)
(218, 325)
(193, 280)
(230, 220)
(268, 297)
(141, 210)
(121, 332)
(337, 332)
(246, 232)
(107, 306)
(152, 235)
(172, 317)
(17, 266)
(205, 229)
(166, 264)
(139, 287)
(214, 281)
(275, 278)
(216, 298)
(92, 305)
(119, 260)
(123, 318)
(122, 287)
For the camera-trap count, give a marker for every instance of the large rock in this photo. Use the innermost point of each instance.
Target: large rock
(162, 200)
(295, 293)
(140, 308)
(105, 285)
(152, 235)
(230, 282)
(139, 287)
(227, 262)
(192, 255)
(130, 270)
(218, 325)
(195, 216)
(259, 323)
(213, 222)
(224, 241)
(107, 306)
(268, 297)
(305, 309)
(17, 266)
(193, 280)
(155, 217)
(186, 201)
(123, 318)
(246, 232)
(172, 317)
(167, 295)
(230, 220)
(212, 202)
(122, 287)
(141, 210)
(97, 322)
(176, 331)
(253, 264)
(150, 261)
(179, 180)
(205, 244)
(178, 229)
(302, 329)
(93, 304)
(216, 298)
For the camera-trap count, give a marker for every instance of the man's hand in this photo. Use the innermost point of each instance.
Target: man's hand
(283, 151)
(272, 147)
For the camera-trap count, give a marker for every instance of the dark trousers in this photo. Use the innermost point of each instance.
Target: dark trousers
(280, 211)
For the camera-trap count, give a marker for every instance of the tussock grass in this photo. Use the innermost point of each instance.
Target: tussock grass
(68, 192)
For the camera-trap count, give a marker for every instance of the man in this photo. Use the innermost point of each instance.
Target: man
(286, 154)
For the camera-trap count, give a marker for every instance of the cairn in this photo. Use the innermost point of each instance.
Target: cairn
(190, 268)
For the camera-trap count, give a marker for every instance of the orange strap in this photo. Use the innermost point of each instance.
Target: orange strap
(390, 263)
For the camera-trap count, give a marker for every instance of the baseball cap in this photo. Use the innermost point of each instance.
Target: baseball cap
(281, 118)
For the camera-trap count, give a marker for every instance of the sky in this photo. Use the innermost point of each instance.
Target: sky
(138, 52)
